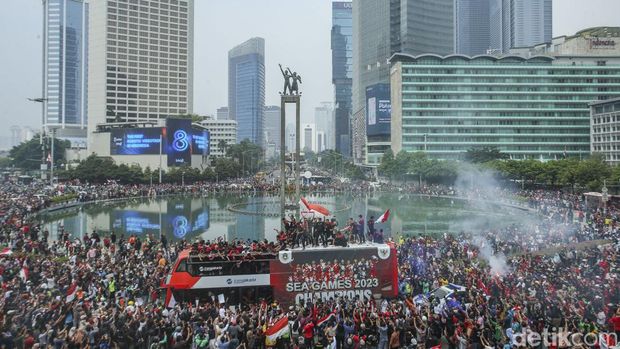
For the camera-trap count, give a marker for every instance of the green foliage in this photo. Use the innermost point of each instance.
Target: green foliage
(417, 166)
(5, 162)
(28, 155)
(250, 156)
(194, 117)
(64, 198)
(484, 154)
(589, 173)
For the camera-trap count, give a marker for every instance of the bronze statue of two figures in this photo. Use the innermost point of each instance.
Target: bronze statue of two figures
(291, 81)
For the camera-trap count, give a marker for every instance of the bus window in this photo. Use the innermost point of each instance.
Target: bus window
(182, 266)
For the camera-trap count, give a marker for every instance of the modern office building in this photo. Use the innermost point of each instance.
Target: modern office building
(222, 113)
(272, 126)
(222, 133)
(140, 60)
(308, 137)
(529, 108)
(381, 28)
(472, 31)
(324, 120)
(592, 42)
(342, 71)
(65, 68)
(518, 23)
(605, 129)
(246, 89)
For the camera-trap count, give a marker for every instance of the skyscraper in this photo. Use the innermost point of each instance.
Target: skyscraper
(381, 28)
(519, 23)
(342, 69)
(65, 67)
(272, 125)
(472, 32)
(222, 113)
(324, 120)
(246, 89)
(140, 59)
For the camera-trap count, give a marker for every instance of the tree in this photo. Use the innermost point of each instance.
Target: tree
(194, 117)
(249, 155)
(222, 145)
(386, 168)
(484, 154)
(28, 155)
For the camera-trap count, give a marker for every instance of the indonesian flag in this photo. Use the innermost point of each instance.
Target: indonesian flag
(71, 292)
(49, 157)
(23, 273)
(170, 301)
(6, 251)
(384, 217)
(276, 331)
(312, 210)
(326, 318)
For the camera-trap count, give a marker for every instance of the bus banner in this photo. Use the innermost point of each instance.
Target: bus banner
(362, 272)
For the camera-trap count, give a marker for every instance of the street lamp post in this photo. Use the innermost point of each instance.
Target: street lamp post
(43, 100)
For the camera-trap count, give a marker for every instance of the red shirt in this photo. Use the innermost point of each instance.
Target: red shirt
(309, 330)
(616, 322)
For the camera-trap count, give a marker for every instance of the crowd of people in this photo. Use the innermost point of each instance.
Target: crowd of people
(555, 272)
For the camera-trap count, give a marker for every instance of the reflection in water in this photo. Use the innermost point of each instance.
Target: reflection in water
(208, 217)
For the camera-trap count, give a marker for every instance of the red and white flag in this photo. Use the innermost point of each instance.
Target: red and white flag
(326, 318)
(6, 251)
(71, 292)
(276, 331)
(309, 210)
(384, 217)
(170, 301)
(23, 273)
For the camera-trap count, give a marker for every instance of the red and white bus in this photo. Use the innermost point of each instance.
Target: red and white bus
(293, 276)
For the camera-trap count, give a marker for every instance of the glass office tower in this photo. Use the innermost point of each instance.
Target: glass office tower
(246, 89)
(65, 66)
(342, 72)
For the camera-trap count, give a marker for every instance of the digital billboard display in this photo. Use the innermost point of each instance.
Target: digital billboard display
(200, 142)
(135, 141)
(378, 110)
(179, 145)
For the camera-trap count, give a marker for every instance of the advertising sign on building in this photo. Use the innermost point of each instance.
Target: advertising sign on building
(378, 110)
(179, 136)
(200, 142)
(360, 273)
(135, 141)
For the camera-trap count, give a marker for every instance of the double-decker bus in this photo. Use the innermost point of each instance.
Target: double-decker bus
(291, 276)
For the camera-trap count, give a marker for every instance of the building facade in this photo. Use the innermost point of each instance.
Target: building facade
(605, 129)
(65, 68)
(529, 108)
(472, 31)
(140, 60)
(518, 23)
(324, 120)
(381, 28)
(593, 42)
(342, 73)
(308, 137)
(246, 89)
(272, 127)
(222, 133)
(222, 113)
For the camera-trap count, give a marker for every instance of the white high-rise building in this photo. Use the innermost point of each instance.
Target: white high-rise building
(140, 60)
(222, 133)
(308, 137)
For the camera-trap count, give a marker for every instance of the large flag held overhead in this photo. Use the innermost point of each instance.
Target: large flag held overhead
(276, 331)
(309, 210)
(384, 217)
(71, 292)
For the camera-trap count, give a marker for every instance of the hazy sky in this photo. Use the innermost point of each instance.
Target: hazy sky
(296, 32)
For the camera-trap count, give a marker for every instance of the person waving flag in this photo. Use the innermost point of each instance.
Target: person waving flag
(384, 217)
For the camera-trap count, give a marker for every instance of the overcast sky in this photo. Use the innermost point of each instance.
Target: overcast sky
(297, 33)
